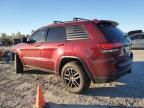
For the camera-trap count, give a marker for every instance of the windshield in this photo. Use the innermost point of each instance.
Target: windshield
(111, 32)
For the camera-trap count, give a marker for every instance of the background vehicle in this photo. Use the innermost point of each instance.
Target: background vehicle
(80, 51)
(137, 41)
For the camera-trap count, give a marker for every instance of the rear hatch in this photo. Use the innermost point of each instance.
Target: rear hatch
(116, 37)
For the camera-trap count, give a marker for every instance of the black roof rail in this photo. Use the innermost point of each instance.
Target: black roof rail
(77, 19)
(57, 22)
(74, 19)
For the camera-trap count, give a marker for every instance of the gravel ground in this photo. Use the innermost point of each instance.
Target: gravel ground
(19, 90)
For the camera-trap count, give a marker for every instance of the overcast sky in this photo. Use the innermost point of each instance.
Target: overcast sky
(25, 15)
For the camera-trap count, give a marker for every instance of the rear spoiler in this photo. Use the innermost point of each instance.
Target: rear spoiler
(134, 32)
(114, 23)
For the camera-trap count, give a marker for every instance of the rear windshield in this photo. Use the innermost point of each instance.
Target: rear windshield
(111, 32)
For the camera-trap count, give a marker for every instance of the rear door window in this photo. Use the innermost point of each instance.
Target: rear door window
(56, 34)
(112, 33)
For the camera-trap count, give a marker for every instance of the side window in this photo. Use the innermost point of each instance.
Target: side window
(142, 36)
(133, 37)
(76, 32)
(56, 34)
(39, 35)
(137, 37)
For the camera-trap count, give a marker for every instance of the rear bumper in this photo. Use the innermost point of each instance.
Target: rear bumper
(121, 72)
(111, 78)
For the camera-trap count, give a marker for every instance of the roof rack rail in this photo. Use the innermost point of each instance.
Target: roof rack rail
(74, 19)
(77, 19)
(57, 22)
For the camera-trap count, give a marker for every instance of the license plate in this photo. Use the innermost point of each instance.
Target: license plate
(127, 50)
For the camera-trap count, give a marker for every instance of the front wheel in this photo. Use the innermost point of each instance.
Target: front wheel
(75, 78)
(18, 65)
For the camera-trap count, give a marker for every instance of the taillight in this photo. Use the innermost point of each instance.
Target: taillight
(110, 47)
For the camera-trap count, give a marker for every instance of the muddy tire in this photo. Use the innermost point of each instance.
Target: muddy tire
(75, 78)
(18, 65)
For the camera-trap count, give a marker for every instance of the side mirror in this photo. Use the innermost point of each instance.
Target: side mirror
(31, 41)
(24, 40)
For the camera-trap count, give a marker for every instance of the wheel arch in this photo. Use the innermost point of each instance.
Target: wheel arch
(66, 59)
(17, 54)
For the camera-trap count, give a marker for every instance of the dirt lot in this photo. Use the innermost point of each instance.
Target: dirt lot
(19, 90)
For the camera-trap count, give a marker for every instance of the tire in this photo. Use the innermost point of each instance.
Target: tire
(75, 78)
(18, 65)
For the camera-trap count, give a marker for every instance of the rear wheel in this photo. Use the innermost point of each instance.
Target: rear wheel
(75, 78)
(18, 64)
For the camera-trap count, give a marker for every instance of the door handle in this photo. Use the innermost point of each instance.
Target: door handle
(36, 45)
(60, 44)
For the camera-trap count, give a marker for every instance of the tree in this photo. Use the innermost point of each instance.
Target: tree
(9, 39)
(18, 35)
(4, 36)
(13, 35)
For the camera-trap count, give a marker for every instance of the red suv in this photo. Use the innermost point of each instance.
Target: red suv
(79, 51)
